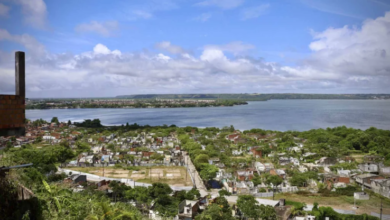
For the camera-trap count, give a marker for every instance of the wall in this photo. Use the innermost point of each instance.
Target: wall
(12, 107)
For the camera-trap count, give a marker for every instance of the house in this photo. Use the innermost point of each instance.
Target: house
(348, 159)
(308, 155)
(361, 196)
(384, 171)
(295, 161)
(259, 167)
(237, 152)
(106, 158)
(268, 166)
(332, 180)
(344, 173)
(242, 188)
(256, 151)
(246, 174)
(220, 174)
(233, 137)
(372, 159)
(365, 179)
(146, 154)
(278, 172)
(76, 179)
(284, 161)
(96, 150)
(188, 209)
(302, 169)
(86, 160)
(213, 161)
(326, 161)
(369, 167)
(228, 185)
(48, 138)
(381, 186)
(295, 149)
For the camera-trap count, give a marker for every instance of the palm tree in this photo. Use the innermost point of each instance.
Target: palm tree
(55, 197)
(107, 212)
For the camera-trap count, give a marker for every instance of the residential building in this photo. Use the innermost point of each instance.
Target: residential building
(188, 209)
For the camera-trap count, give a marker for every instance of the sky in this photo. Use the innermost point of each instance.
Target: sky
(107, 48)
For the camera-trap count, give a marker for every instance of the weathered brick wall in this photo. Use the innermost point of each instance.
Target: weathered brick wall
(12, 115)
(12, 107)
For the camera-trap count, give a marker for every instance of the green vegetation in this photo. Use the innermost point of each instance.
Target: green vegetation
(125, 103)
(249, 208)
(254, 96)
(95, 123)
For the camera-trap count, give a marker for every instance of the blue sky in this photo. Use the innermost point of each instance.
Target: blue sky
(187, 46)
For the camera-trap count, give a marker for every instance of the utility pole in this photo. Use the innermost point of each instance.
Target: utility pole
(381, 209)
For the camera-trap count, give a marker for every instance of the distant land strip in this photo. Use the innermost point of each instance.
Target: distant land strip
(256, 96)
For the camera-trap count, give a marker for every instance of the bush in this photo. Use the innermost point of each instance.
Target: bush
(133, 168)
(347, 191)
(224, 193)
(56, 177)
(118, 165)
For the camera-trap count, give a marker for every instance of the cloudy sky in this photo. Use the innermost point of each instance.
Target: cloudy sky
(106, 48)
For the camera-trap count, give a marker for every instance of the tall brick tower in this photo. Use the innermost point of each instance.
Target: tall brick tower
(12, 107)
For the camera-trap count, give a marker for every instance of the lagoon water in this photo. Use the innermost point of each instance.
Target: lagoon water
(279, 115)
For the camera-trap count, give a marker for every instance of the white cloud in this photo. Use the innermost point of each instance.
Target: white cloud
(351, 57)
(167, 46)
(254, 12)
(225, 4)
(236, 48)
(101, 49)
(4, 10)
(105, 29)
(203, 17)
(34, 12)
(29, 42)
(343, 60)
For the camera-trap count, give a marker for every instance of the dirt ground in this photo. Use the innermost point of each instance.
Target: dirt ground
(176, 176)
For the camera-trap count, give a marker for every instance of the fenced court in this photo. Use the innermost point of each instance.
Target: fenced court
(172, 175)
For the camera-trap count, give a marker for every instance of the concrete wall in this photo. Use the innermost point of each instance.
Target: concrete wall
(12, 107)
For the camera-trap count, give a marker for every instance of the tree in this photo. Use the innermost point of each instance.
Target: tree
(256, 180)
(247, 204)
(55, 120)
(274, 179)
(208, 171)
(158, 189)
(224, 192)
(69, 122)
(214, 212)
(201, 158)
(267, 212)
(249, 207)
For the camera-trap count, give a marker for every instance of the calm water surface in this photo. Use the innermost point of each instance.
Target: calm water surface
(279, 115)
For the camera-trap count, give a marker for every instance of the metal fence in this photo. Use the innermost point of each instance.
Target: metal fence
(266, 194)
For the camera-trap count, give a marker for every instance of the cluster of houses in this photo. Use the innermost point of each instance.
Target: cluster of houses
(371, 173)
(49, 133)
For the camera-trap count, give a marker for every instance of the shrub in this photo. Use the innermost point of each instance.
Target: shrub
(347, 191)
(133, 168)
